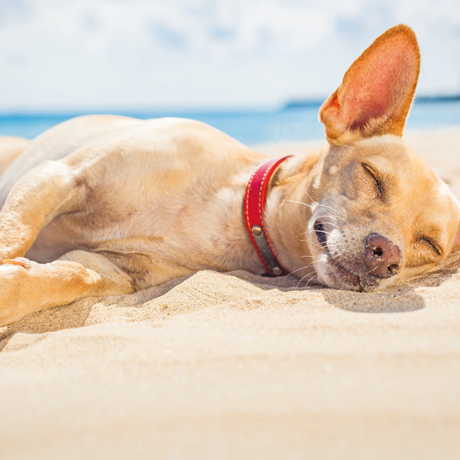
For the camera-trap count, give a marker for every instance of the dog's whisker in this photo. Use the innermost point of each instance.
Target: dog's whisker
(334, 257)
(294, 271)
(311, 264)
(301, 280)
(311, 279)
(333, 217)
(331, 223)
(320, 205)
(317, 243)
(308, 231)
(300, 202)
(313, 275)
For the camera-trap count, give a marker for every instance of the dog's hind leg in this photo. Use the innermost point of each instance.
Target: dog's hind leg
(40, 195)
(27, 287)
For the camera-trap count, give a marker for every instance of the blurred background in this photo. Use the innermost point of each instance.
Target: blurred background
(257, 69)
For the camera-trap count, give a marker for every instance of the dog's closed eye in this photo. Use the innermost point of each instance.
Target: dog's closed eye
(432, 244)
(378, 183)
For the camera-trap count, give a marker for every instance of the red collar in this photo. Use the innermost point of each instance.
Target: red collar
(254, 203)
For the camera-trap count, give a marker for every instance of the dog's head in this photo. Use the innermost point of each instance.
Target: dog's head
(377, 213)
(380, 214)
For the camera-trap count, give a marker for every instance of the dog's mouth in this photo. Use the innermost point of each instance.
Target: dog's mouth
(346, 275)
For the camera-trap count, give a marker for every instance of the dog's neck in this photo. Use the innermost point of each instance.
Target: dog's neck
(285, 218)
(287, 213)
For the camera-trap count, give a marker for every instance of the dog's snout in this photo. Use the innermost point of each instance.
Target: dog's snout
(382, 258)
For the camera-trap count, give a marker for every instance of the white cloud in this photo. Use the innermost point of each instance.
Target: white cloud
(116, 54)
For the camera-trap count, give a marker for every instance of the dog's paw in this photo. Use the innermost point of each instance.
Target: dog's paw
(21, 261)
(14, 293)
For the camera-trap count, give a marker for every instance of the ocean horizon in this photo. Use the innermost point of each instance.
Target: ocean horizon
(250, 127)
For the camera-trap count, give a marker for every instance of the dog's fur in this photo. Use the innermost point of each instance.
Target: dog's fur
(105, 205)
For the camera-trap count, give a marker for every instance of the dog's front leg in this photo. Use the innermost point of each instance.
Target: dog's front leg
(39, 196)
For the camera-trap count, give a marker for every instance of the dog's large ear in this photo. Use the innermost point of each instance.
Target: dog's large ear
(377, 90)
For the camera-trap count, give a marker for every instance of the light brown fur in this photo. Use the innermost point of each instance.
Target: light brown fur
(10, 148)
(105, 205)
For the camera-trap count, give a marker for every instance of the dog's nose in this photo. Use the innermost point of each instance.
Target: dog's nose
(382, 258)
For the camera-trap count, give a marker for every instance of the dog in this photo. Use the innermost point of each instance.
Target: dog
(108, 205)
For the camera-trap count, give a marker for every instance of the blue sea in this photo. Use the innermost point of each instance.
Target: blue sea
(249, 127)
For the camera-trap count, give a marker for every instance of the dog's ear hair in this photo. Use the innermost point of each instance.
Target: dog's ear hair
(377, 90)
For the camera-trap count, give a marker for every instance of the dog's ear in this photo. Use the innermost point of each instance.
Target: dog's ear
(377, 90)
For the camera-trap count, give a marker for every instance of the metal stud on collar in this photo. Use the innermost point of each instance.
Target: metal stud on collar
(256, 230)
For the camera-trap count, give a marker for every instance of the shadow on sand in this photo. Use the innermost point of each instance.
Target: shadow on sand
(397, 299)
(205, 289)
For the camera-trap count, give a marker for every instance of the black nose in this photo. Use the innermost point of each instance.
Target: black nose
(382, 258)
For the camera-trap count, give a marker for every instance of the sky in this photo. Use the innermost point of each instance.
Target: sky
(119, 55)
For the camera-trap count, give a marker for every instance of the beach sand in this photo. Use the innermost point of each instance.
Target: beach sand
(237, 366)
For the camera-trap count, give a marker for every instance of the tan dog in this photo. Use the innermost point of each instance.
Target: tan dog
(109, 205)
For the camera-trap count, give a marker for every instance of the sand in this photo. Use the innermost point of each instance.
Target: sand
(237, 366)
